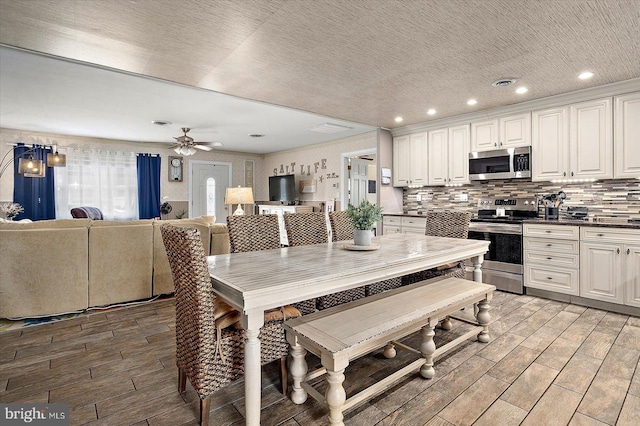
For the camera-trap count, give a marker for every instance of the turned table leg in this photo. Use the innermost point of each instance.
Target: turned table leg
(446, 323)
(428, 348)
(483, 318)
(298, 370)
(389, 351)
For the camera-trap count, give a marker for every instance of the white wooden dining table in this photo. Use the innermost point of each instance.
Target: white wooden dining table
(254, 282)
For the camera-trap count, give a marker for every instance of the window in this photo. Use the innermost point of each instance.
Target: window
(103, 179)
(211, 197)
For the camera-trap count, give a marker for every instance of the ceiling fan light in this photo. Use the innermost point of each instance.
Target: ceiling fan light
(190, 151)
(178, 150)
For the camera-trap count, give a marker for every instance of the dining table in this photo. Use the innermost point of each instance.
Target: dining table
(254, 282)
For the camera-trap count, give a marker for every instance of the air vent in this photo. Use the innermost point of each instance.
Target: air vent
(503, 82)
(330, 128)
(256, 135)
(161, 122)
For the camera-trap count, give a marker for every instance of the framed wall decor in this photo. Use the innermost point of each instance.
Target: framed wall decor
(248, 173)
(175, 169)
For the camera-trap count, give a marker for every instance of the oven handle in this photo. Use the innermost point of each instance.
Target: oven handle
(503, 228)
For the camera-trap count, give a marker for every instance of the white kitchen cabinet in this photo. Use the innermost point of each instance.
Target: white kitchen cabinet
(448, 152)
(601, 272)
(573, 142)
(550, 144)
(626, 136)
(610, 264)
(505, 132)
(591, 139)
(410, 160)
(403, 224)
(552, 258)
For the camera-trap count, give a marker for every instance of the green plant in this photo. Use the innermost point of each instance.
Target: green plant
(181, 214)
(365, 215)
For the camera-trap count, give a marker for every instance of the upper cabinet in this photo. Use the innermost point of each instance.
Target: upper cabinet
(448, 155)
(573, 142)
(627, 136)
(410, 160)
(505, 132)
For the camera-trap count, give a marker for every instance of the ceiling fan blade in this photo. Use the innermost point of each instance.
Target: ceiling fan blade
(211, 144)
(203, 147)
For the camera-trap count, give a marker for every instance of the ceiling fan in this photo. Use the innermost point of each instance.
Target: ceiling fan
(186, 145)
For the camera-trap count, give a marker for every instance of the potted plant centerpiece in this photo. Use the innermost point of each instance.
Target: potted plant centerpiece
(363, 218)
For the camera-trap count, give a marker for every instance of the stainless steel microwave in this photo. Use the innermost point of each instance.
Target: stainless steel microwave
(511, 163)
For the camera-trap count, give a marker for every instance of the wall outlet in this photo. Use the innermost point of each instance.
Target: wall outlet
(464, 197)
(418, 197)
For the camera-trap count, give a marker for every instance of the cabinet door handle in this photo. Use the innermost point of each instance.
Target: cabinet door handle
(564, 173)
(549, 245)
(549, 258)
(571, 173)
(618, 250)
(628, 251)
(547, 231)
(549, 278)
(600, 235)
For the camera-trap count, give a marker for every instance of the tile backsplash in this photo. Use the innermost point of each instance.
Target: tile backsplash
(620, 198)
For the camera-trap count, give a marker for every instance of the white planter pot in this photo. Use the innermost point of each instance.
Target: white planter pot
(362, 237)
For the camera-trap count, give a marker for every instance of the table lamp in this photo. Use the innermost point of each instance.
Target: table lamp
(239, 196)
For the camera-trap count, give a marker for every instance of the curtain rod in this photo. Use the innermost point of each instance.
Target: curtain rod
(14, 144)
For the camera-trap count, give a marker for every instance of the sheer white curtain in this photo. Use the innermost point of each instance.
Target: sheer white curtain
(104, 179)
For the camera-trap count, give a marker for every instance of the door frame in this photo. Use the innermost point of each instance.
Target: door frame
(344, 178)
(213, 163)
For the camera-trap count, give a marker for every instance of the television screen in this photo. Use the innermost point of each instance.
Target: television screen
(282, 188)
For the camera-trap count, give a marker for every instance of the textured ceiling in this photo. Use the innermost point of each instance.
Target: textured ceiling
(365, 61)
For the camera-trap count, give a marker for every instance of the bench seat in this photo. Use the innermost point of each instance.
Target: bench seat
(345, 332)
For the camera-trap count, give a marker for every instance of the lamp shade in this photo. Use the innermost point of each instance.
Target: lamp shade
(30, 167)
(239, 195)
(56, 160)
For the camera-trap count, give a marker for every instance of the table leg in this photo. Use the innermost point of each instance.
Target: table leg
(251, 322)
(477, 265)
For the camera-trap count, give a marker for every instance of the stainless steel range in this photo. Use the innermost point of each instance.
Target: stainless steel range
(499, 220)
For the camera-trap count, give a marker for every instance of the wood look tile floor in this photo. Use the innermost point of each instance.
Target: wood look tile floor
(548, 363)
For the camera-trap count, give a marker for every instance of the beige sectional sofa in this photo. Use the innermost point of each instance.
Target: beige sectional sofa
(56, 266)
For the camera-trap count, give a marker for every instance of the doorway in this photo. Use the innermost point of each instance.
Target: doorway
(208, 183)
(359, 177)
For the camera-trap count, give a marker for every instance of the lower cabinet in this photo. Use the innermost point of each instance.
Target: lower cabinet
(552, 258)
(403, 224)
(610, 260)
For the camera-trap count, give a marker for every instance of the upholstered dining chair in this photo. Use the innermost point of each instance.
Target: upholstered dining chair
(311, 228)
(342, 229)
(209, 339)
(92, 213)
(444, 223)
(260, 232)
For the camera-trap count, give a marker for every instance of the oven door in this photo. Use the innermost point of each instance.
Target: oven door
(505, 250)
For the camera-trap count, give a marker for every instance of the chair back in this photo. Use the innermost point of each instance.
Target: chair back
(253, 232)
(444, 223)
(92, 213)
(306, 228)
(341, 226)
(195, 310)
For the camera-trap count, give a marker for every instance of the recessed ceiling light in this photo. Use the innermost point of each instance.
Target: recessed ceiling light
(585, 75)
(431, 111)
(161, 122)
(521, 90)
(398, 119)
(472, 102)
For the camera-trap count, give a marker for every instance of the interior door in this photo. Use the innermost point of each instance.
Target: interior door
(209, 182)
(358, 181)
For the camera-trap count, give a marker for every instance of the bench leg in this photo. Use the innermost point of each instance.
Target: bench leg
(483, 318)
(428, 348)
(389, 351)
(298, 372)
(335, 396)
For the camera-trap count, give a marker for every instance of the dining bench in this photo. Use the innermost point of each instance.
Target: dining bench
(348, 331)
